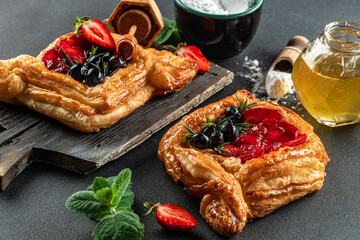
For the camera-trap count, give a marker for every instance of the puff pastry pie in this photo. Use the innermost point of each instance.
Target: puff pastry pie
(234, 193)
(24, 80)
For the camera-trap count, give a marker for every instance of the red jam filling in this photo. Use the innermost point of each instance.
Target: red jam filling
(267, 133)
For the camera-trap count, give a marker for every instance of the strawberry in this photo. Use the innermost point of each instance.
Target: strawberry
(95, 33)
(194, 54)
(75, 53)
(171, 217)
(71, 41)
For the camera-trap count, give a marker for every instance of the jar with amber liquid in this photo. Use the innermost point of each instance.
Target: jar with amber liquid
(326, 75)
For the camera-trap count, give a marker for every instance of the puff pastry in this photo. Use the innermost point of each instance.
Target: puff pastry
(234, 193)
(25, 80)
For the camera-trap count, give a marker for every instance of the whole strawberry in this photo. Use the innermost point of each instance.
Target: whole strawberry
(95, 33)
(171, 217)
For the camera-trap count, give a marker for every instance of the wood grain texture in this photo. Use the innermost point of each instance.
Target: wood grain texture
(26, 136)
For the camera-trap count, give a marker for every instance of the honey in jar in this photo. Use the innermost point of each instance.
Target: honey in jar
(326, 75)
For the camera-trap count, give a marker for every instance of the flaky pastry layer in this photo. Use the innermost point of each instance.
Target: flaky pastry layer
(234, 193)
(25, 80)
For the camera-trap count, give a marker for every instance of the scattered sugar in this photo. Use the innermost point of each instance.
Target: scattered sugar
(256, 77)
(219, 7)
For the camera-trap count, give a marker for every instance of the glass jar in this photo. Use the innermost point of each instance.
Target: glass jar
(326, 75)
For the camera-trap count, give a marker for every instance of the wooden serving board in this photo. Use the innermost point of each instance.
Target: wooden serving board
(27, 136)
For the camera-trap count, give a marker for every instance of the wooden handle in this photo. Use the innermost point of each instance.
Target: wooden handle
(126, 46)
(143, 13)
(287, 57)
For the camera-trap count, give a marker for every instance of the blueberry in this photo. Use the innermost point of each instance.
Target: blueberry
(222, 119)
(217, 138)
(116, 62)
(94, 76)
(200, 141)
(208, 131)
(106, 57)
(96, 59)
(75, 72)
(230, 131)
(233, 111)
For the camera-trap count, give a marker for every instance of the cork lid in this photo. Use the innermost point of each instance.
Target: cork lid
(144, 14)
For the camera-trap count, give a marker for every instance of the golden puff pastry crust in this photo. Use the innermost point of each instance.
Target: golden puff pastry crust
(234, 193)
(25, 80)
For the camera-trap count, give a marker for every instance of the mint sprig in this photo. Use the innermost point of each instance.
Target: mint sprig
(169, 34)
(109, 201)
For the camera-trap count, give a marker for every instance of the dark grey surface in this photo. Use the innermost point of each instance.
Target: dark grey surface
(33, 205)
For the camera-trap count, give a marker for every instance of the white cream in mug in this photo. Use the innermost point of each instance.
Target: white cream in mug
(219, 7)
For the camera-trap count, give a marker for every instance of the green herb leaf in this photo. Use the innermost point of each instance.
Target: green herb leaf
(220, 150)
(224, 120)
(99, 183)
(93, 51)
(169, 34)
(122, 225)
(67, 58)
(105, 196)
(120, 185)
(244, 105)
(79, 21)
(243, 127)
(84, 202)
(126, 200)
(97, 66)
(208, 122)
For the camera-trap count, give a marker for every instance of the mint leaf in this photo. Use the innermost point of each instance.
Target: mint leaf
(122, 225)
(169, 34)
(120, 185)
(126, 200)
(104, 196)
(84, 202)
(99, 183)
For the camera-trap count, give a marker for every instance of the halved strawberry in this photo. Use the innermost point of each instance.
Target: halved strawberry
(171, 217)
(71, 41)
(95, 33)
(75, 53)
(50, 55)
(196, 55)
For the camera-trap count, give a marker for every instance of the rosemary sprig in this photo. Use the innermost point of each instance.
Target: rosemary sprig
(67, 58)
(105, 67)
(244, 105)
(97, 66)
(225, 120)
(93, 51)
(220, 150)
(188, 135)
(243, 127)
(208, 122)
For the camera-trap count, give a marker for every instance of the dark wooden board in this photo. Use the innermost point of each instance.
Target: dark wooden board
(27, 136)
